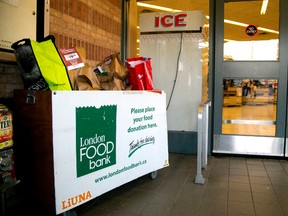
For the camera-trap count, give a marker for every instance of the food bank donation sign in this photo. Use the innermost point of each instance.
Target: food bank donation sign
(104, 139)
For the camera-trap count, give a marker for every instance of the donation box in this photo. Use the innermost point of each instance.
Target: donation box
(82, 144)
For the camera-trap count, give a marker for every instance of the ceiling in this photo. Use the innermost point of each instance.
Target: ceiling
(246, 12)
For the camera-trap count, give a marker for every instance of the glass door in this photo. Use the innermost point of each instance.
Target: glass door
(250, 87)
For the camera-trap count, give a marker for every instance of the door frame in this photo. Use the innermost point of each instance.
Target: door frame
(254, 145)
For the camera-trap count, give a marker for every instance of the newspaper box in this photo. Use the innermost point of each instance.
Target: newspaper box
(82, 144)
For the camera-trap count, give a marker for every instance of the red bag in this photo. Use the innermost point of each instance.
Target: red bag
(140, 73)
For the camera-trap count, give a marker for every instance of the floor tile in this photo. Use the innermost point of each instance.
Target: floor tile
(264, 197)
(219, 177)
(259, 167)
(214, 210)
(254, 161)
(268, 209)
(259, 173)
(215, 195)
(239, 178)
(241, 196)
(259, 180)
(164, 198)
(279, 181)
(180, 211)
(271, 162)
(141, 195)
(155, 210)
(262, 188)
(280, 189)
(238, 186)
(274, 167)
(234, 186)
(234, 171)
(234, 165)
(212, 185)
(240, 208)
(132, 207)
(277, 174)
(217, 205)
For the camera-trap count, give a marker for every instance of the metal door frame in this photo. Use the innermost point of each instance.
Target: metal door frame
(254, 145)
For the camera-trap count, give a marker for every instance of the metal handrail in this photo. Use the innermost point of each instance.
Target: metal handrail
(202, 142)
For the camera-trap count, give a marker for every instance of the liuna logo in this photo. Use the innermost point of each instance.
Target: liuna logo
(95, 138)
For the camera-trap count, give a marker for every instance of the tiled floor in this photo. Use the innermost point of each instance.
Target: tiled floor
(234, 186)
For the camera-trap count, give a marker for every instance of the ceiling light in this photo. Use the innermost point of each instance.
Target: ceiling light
(268, 30)
(156, 7)
(235, 23)
(245, 25)
(264, 7)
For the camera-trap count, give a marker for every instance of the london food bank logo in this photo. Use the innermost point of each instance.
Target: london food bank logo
(95, 138)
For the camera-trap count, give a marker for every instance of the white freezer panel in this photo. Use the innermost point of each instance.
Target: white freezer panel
(164, 51)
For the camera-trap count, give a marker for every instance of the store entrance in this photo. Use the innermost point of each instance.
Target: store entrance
(250, 85)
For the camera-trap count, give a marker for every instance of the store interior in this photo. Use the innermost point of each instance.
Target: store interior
(249, 108)
(247, 101)
(249, 104)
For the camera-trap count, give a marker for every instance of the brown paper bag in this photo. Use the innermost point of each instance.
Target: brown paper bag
(111, 67)
(86, 79)
(83, 78)
(109, 74)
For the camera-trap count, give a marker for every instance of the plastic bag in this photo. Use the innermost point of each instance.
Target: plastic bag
(140, 73)
(41, 65)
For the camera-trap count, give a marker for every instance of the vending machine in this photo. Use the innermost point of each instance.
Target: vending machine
(7, 174)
